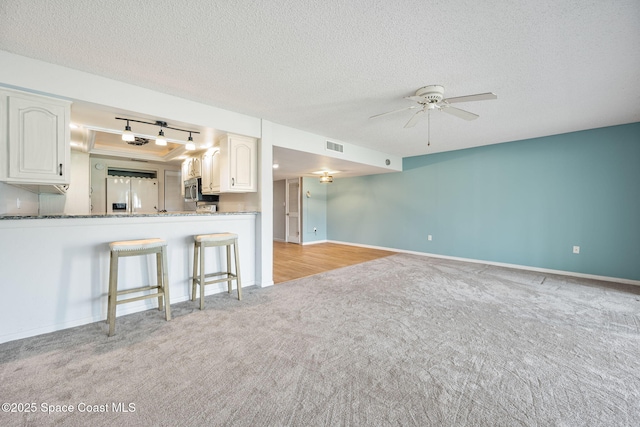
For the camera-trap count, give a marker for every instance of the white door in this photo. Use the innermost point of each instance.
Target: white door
(293, 210)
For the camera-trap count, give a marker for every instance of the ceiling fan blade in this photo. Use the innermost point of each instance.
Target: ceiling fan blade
(458, 112)
(395, 111)
(413, 120)
(469, 98)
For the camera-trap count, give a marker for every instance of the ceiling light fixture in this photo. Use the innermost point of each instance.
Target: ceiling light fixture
(190, 144)
(160, 139)
(326, 178)
(128, 136)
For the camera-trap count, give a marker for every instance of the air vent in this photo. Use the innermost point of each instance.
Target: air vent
(334, 146)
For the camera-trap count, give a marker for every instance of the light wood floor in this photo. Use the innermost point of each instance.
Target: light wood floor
(292, 261)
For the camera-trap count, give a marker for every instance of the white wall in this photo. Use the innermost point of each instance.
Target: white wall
(296, 139)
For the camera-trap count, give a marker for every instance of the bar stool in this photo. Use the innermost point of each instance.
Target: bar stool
(203, 241)
(134, 248)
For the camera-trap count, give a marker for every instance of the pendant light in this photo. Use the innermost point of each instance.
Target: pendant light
(190, 145)
(160, 139)
(127, 135)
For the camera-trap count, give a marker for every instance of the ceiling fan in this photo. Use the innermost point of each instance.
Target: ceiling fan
(432, 98)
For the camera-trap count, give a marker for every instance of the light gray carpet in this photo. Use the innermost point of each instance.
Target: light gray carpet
(403, 340)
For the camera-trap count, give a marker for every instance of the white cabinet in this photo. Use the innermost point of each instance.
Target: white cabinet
(211, 171)
(191, 168)
(238, 165)
(34, 136)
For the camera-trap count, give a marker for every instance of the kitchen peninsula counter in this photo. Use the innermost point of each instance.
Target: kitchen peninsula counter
(156, 214)
(54, 269)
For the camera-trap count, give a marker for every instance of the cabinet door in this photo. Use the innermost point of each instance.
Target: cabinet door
(38, 140)
(242, 164)
(215, 170)
(206, 172)
(184, 175)
(196, 167)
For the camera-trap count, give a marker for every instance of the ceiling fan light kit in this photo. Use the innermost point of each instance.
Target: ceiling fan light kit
(432, 98)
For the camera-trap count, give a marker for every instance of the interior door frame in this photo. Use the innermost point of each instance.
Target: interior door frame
(287, 235)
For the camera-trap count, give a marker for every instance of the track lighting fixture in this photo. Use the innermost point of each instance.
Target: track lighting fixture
(128, 135)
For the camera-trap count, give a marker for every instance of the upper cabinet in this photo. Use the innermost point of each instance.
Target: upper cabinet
(191, 168)
(231, 166)
(242, 162)
(34, 138)
(211, 171)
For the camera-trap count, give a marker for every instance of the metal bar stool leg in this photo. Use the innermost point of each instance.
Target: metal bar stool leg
(165, 283)
(196, 258)
(111, 305)
(159, 278)
(237, 256)
(202, 251)
(229, 274)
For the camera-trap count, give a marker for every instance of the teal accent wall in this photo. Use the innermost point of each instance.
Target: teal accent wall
(314, 210)
(525, 202)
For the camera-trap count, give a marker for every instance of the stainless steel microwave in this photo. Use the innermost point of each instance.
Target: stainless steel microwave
(193, 192)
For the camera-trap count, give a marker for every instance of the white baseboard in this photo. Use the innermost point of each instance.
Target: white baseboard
(499, 264)
(315, 242)
(275, 239)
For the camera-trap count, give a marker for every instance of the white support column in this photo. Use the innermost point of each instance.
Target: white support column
(264, 227)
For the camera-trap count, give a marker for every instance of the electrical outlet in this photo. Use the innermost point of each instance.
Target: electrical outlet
(18, 203)
(429, 237)
(576, 249)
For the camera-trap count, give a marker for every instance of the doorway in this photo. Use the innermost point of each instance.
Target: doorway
(292, 211)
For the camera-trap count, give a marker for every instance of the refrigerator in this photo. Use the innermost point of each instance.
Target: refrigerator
(129, 195)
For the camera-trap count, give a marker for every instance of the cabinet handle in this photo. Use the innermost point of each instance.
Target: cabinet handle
(233, 181)
(60, 169)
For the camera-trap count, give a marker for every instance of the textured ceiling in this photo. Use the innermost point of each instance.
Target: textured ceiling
(325, 67)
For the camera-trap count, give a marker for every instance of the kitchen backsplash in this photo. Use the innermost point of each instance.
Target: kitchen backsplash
(16, 201)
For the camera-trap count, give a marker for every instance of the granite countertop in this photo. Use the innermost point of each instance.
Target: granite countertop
(158, 214)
